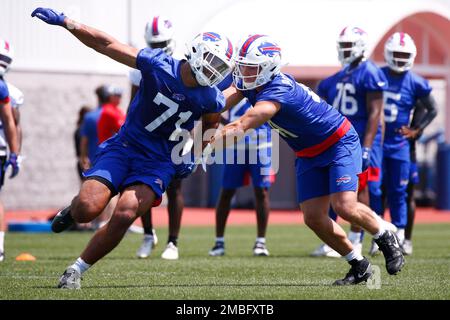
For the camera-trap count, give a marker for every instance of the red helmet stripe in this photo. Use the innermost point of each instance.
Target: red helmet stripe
(229, 49)
(343, 31)
(7, 46)
(155, 31)
(209, 34)
(402, 38)
(247, 44)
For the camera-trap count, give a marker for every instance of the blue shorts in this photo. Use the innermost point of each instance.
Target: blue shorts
(237, 175)
(335, 170)
(119, 165)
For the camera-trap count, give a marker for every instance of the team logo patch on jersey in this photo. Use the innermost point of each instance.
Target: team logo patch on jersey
(381, 83)
(343, 180)
(178, 97)
(159, 183)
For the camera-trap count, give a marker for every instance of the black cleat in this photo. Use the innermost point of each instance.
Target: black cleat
(392, 251)
(62, 221)
(360, 271)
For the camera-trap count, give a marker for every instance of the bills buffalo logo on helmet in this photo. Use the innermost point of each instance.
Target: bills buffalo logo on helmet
(269, 49)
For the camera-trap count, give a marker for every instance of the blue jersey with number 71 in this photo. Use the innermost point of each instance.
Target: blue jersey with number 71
(347, 91)
(164, 107)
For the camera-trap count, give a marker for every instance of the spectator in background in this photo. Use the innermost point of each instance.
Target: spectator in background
(77, 138)
(98, 126)
(88, 130)
(111, 117)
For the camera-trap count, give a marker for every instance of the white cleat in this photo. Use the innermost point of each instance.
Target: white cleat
(171, 252)
(407, 247)
(325, 251)
(148, 243)
(218, 250)
(260, 250)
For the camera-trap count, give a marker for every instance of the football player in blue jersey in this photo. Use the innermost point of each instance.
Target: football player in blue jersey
(10, 132)
(139, 162)
(328, 150)
(250, 157)
(357, 92)
(405, 90)
(159, 34)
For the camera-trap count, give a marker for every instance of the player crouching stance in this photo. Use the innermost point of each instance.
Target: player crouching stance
(328, 152)
(137, 162)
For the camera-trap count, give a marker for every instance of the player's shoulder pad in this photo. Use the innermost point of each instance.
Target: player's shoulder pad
(135, 77)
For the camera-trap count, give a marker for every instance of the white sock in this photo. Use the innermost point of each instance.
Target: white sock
(80, 266)
(220, 239)
(261, 240)
(353, 255)
(354, 237)
(382, 227)
(401, 235)
(2, 239)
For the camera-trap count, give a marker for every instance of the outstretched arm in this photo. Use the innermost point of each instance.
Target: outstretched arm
(262, 112)
(91, 37)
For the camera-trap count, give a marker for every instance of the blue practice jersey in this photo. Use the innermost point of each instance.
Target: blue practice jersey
(163, 106)
(88, 129)
(304, 120)
(347, 91)
(399, 99)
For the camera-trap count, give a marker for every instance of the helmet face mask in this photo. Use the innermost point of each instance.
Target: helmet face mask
(400, 52)
(258, 62)
(210, 58)
(351, 44)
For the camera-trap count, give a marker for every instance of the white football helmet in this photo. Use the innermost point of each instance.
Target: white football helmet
(6, 56)
(210, 56)
(351, 44)
(159, 34)
(400, 52)
(257, 62)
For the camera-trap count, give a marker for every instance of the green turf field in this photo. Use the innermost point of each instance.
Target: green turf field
(287, 274)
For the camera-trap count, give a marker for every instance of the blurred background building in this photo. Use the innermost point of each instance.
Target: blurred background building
(57, 74)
